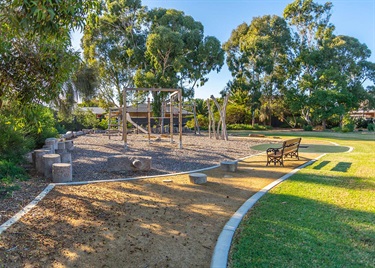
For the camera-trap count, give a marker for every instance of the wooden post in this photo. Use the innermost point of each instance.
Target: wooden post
(222, 112)
(209, 118)
(171, 117)
(124, 121)
(149, 119)
(196, 124)
(180, 116)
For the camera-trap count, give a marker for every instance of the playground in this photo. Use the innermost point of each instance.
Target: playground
(154, 222)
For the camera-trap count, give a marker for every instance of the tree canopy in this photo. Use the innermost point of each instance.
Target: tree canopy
(298, 66)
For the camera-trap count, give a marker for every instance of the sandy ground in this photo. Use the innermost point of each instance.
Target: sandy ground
(144, 223)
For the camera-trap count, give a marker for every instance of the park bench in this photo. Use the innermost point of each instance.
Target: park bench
(289, 148)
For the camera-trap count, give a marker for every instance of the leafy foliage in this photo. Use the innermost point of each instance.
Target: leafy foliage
(298, 67)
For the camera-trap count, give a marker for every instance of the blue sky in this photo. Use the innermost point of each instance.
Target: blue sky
(354, 18)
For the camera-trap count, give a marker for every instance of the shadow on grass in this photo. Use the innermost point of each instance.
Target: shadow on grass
(321, 165)
(301, 232)
(342, 167)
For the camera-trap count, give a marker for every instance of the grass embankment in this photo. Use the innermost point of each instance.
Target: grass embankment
(321, 217)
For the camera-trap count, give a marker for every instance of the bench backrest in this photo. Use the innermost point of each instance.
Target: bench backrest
(291, 145)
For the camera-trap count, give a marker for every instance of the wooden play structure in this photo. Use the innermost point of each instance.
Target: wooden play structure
(127, 118)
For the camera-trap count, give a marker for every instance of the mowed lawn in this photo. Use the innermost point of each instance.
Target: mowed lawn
(324, 216)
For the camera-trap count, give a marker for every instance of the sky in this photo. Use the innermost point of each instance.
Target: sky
(355, 18)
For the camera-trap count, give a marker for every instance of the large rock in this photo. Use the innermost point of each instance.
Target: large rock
(128, 163)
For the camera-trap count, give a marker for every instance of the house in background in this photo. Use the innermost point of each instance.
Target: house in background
(370, 114)
(98, 111)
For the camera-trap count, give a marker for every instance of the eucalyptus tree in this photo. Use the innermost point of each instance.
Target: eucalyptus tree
(342, 75)
(177, 54)
(257, 56)
(327, 79)
(114, 42)
(36, 57)
(313, 30)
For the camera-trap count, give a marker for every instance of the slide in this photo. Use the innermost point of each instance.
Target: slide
(135, 124)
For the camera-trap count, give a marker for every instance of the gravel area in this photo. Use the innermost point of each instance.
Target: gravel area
(91, 152)
(199, 151)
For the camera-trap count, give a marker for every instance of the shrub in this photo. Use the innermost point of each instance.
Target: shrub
(236, 114)
(202, 121)
(371, 127)
(361, 122)
(13, 143)
(103, 124)
(308, 128)
(336, 129)
(348, 127)
(9, 174)
(247, 127)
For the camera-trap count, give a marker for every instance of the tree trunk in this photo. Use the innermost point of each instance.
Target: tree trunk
(324, 124)
(211, 125)
(196, 124)
(222, 112)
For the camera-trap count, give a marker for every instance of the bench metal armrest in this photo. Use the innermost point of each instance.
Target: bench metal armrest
(274, 150)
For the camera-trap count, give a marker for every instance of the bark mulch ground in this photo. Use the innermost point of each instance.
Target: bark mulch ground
(154, 222)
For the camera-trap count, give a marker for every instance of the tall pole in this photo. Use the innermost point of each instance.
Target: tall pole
(149, 119)
(180, 116)
(124, 121)
(171, 118)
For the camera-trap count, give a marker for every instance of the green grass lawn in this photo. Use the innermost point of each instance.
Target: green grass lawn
(324, 216)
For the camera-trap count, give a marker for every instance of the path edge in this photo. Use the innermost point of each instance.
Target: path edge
(26, 209)
(49, 188)
(223, 244)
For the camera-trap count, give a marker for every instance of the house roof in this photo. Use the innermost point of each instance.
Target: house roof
(95, 110)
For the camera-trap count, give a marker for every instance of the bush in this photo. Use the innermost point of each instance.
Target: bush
(336, 129)
(86, 118)
(103, 124)
(371, 127)
(361, 122)
(39, 124)
(247, 127)
(348, 127)
(13, 143)
(202, 121)
(236, 114)
(308, 128)
(9, 174)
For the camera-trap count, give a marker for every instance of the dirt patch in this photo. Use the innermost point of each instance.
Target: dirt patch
(143, 223)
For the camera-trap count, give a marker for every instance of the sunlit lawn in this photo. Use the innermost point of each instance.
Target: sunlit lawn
(324, 216)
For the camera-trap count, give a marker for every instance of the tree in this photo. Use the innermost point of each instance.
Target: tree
(329, 71)
(343, 74)
(177, 55)
(313, 30)
(114, 42)
(46, 17)
(257, 55)
(35, 52)
(83, 84)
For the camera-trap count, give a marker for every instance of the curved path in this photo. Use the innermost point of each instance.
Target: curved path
(168, 219)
